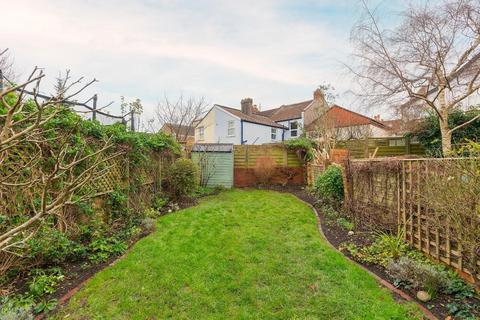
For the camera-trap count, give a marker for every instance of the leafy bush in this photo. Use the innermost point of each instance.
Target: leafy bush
(303, 146)
(181, 178)
(329, 184)
(44, 281)
(103, 248)
(420, 275)
(53, 246)
(429, 132)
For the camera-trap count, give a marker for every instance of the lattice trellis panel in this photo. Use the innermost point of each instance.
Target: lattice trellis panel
(390, 194)
(114, 178)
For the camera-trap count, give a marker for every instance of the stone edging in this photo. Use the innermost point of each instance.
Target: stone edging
(428, 314)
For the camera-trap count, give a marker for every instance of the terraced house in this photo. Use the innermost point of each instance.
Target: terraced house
(248, 125)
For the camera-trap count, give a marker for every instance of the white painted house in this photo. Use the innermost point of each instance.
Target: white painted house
(249, 126)
(228, 125)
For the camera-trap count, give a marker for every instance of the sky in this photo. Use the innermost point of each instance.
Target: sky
(274, 51)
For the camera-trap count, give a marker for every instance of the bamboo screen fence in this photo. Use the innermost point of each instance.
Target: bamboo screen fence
(391, 195)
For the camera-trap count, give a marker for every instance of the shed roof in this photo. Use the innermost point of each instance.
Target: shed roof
(212, 147)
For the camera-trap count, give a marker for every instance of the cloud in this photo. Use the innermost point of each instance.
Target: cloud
(275, 51)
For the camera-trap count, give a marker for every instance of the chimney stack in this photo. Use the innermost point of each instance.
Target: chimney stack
(318, 94)
(247, 106)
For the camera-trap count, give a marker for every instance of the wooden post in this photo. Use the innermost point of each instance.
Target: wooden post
(1, 80)
(132, 120)
(94, 111)
(419, 218)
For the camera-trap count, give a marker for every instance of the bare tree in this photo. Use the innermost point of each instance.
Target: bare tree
(6, 69)
(432, 59)
(180, 115)
(40, 166)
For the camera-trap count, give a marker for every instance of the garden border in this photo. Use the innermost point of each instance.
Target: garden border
(380, 280)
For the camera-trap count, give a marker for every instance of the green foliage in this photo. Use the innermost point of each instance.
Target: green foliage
(45, 306)
(462, 311)
(12, 309)
(159, 203)
(459, 289)
(103, 248)
(329, 184)
(181, 178)
(419, 274)
(384, 249)
(44, 281)
(430, 137)
(302, 144)
(53, 246)
(345, 224)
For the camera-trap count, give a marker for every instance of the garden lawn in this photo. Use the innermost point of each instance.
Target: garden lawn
(238, 255)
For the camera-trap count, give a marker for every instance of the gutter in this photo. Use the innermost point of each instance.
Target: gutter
(241, 131)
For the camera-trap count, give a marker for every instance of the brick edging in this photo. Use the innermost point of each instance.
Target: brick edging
(428, 314)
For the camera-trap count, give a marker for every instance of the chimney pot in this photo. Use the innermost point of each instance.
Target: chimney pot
(247, 106)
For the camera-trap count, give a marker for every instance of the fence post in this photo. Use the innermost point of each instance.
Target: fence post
(1, 80)
(94, 112)
(132, 121)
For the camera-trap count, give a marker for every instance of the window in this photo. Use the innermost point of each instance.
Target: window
(396, 142)
(201, 133)
(231, 128)
(274, 134)
(293, 129)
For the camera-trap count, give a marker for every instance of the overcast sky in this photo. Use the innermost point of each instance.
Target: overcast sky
(275, 51)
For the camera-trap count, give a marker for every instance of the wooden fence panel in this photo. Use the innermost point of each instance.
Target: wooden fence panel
(289, 169)
(390, 195)
(387, 147)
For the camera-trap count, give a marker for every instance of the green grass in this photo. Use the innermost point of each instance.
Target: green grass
(238, 255)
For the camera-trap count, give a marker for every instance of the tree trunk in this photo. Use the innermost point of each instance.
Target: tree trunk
(446, 136)
(444, 129)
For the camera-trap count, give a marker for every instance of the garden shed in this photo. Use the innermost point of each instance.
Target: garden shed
(215, 161)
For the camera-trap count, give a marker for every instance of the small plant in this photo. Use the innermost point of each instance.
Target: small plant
(345, 224)
(459, 289)
(181, 178)
(384, 249)
(104, 248)
(159, 203)
(45, 306)
(149, 225)
(461, 310)
(13, 309)
(329, 184)
(421, 275)
(44, 282)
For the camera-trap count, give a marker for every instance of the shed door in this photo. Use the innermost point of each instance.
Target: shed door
(216, 167)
